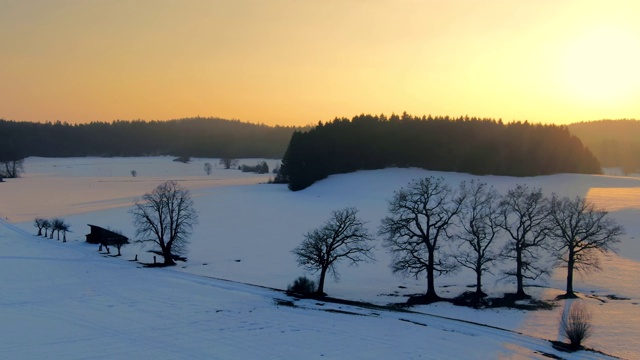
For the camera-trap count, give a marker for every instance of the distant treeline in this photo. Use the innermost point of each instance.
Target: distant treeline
(470, 145)
(616, 143)
(198, 137)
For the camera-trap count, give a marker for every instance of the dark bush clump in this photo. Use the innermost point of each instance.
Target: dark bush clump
(302, 286)
(260, 168)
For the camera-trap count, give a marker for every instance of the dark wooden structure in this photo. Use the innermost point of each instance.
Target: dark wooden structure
(103, 236)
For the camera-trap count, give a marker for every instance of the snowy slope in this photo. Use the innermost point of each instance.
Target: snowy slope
(246, 232)
(65, 301)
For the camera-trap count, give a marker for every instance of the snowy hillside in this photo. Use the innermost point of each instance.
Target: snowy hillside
(67, 300)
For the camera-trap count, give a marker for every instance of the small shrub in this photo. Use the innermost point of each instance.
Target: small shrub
(576, 325)
(302, 286)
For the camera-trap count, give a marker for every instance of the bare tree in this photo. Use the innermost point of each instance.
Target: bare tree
(40, 224)
(118, 241)
(343, 236)
(228, 163)
(56, 226)
(575, 324)
(64, 227)
(46, 225)
(11, 161)
(478, 219)
(165, 218)
(119, 245)
(12, 168)
(580, 231)
(207, 168)
(524, 214)
(420, 216)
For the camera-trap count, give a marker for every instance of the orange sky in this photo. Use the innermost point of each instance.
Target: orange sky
(297, 62)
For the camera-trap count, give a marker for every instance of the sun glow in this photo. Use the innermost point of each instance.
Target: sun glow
(297, 62)
(601, 66)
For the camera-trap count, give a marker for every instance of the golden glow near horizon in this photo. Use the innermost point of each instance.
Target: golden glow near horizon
(297, 62)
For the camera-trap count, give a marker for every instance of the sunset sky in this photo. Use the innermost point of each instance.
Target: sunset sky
(297, 62)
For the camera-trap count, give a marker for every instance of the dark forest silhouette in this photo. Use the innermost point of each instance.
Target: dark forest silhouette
(470, 145)
(473, 145)
(198, 137)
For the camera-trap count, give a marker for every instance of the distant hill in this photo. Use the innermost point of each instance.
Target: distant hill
(198, 137)
(616, 143)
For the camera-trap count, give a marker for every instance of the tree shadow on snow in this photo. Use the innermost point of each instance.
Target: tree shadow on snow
(481, 301)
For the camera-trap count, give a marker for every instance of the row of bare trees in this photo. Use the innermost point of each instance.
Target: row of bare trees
(51, 226)
(436, 229)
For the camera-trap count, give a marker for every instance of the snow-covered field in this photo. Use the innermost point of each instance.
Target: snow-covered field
(68, 301)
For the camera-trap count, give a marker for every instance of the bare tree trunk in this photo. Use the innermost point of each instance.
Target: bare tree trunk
(479, 292)
(431, 289)
(168, 256)
(519, 276)
(570, 266)
(323, 274)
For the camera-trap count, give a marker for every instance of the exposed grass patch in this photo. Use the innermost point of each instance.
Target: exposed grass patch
(480, 301)
(282, 302)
